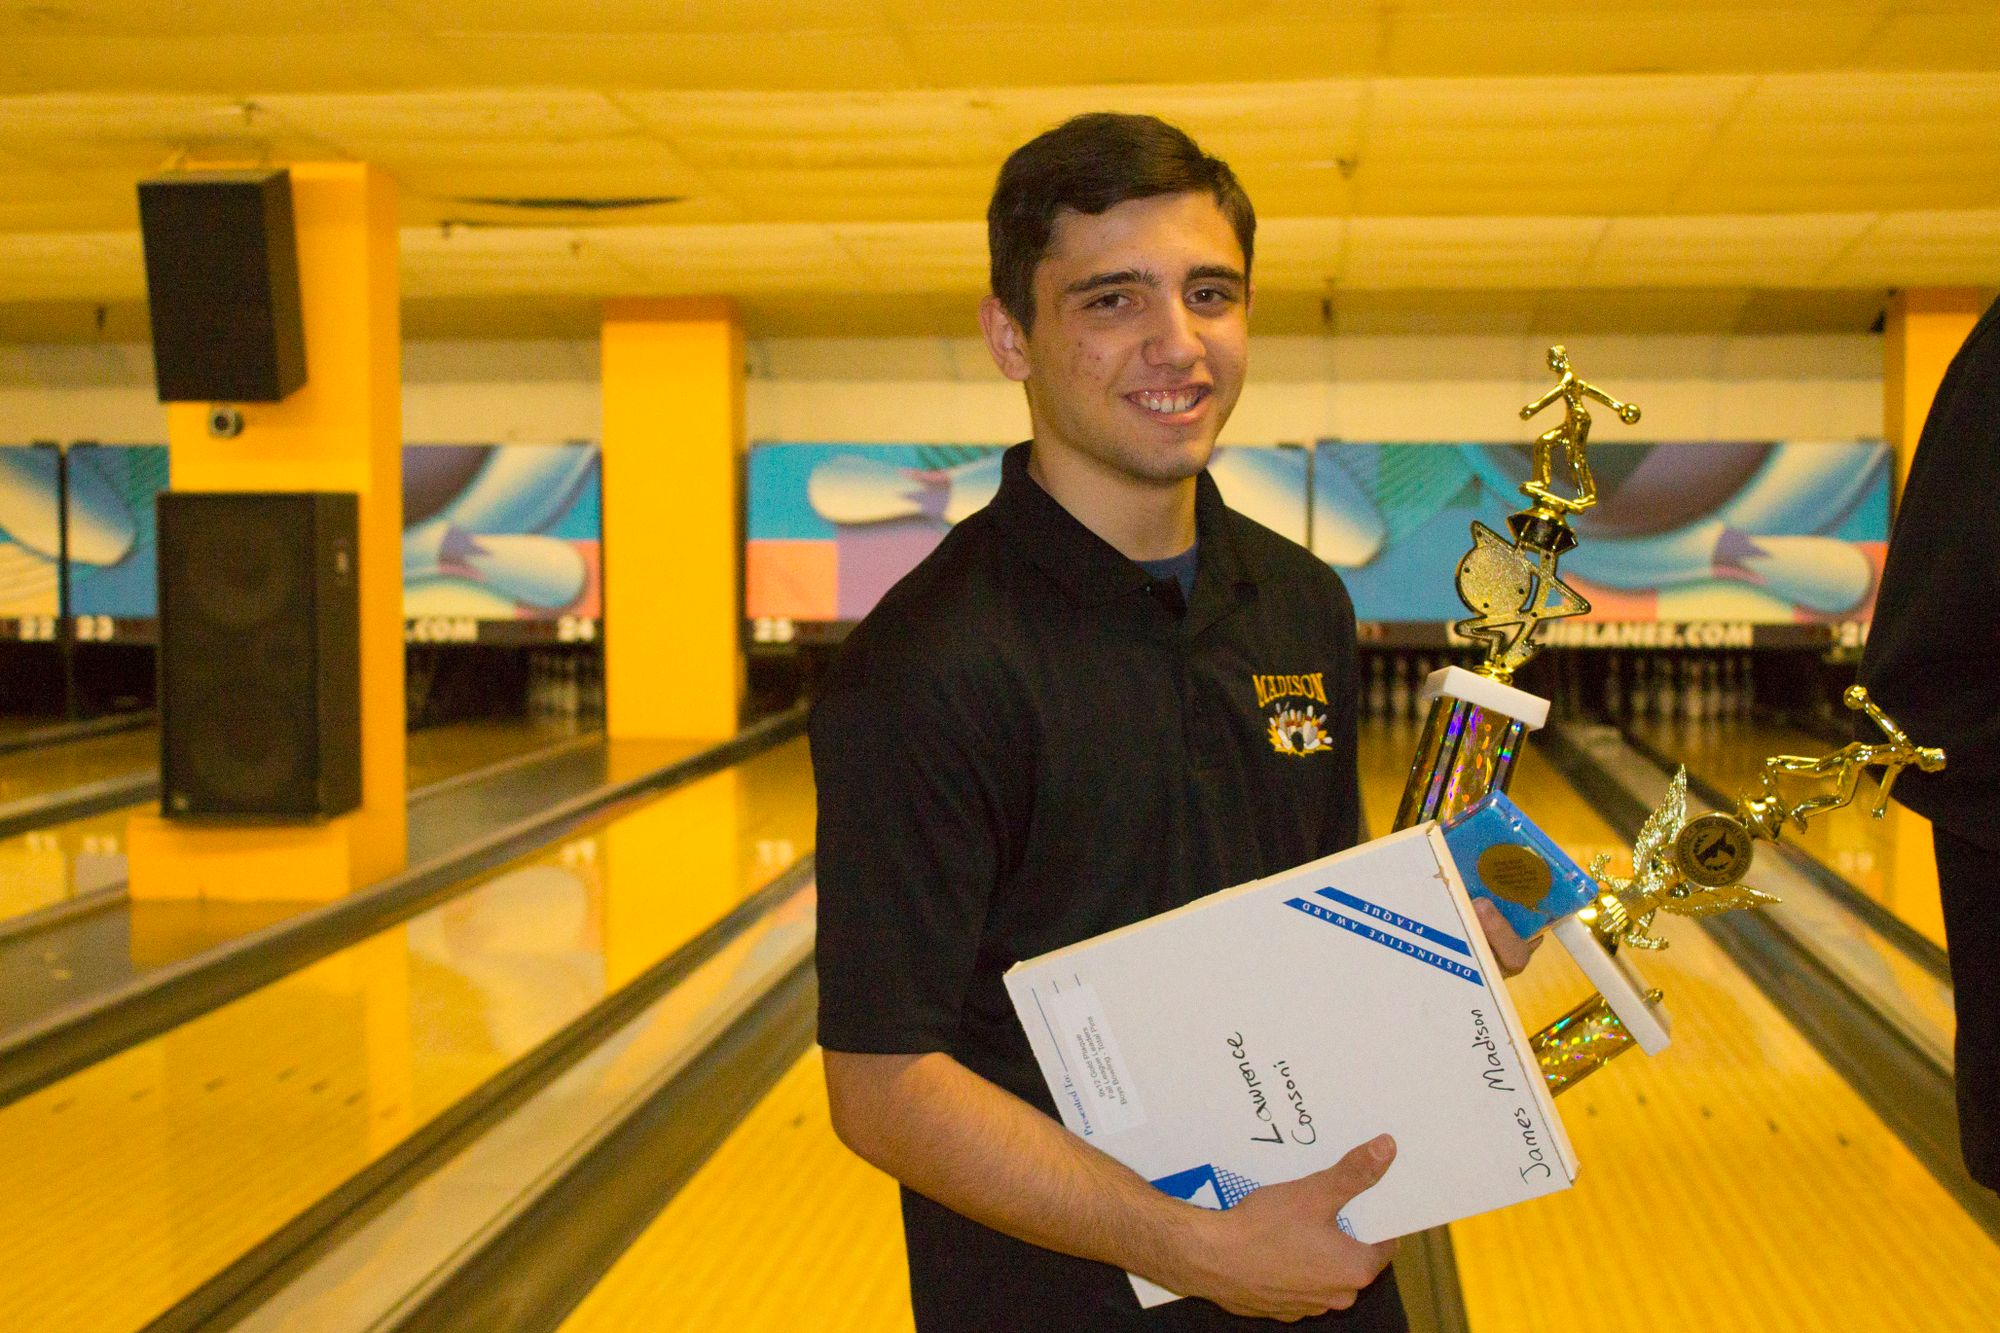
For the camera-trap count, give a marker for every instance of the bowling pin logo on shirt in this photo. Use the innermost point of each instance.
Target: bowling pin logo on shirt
(1294, 727)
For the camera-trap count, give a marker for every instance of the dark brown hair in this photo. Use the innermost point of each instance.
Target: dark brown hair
(1089, 164)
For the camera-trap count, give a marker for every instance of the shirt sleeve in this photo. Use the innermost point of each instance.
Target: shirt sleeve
(911, 841)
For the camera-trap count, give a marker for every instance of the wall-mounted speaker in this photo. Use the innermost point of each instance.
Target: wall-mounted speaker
(222, 282)
(260, 654)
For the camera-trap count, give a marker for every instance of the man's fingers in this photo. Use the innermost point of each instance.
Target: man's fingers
(1509, 949)
(1360, 1169)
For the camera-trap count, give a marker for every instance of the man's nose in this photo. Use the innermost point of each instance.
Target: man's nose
(1174, 341)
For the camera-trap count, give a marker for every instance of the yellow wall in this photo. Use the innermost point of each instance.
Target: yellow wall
(342, 431)
(673, 468)
(1922, 330)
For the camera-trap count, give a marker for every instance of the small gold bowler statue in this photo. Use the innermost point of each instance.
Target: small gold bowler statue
(1478, 722)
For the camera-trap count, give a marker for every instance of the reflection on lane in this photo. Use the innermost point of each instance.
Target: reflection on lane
(1889, 859)
(42, 867)
(437, 753)
(47, 769)
(169, 1160)
(61, 862)
(1735, 1181)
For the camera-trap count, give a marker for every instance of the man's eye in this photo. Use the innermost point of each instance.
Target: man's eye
(1211, 296)
(1108, 301)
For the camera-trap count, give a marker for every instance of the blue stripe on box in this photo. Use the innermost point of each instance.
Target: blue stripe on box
(1380, 913)
(1384, 938)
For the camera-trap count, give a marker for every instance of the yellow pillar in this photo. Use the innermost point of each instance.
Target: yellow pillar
(673, 546)
(1922, 331)
(342, 431)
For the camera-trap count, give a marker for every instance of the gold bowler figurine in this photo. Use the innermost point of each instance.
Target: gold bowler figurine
(1573, 435)
(1512, 587)
(1478, 722)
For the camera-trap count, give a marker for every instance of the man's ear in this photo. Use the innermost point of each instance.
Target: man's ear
(1005, 339)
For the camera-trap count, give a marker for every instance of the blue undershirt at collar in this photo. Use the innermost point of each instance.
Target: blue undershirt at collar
(1180, 568)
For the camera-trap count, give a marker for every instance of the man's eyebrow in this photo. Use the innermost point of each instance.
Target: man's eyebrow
(1119, 278)
(1223, 271)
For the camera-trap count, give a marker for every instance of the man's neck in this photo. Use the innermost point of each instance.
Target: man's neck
(1140, 520)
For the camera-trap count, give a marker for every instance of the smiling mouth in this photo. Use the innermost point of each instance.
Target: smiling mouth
(1170, 402)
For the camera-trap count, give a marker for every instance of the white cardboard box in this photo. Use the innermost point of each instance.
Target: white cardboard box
(1258, 1034)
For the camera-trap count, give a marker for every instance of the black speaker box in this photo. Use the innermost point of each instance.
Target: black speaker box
(260, 654)
(222, 281)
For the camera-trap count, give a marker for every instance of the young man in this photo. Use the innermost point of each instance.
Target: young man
(1053, 728)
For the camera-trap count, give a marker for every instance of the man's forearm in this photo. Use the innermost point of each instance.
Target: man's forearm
(981, 1151)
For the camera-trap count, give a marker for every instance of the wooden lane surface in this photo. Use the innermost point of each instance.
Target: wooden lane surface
(1734, 1182)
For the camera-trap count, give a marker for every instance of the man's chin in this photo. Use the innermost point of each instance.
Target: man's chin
(1148, 462)
(1172, 468)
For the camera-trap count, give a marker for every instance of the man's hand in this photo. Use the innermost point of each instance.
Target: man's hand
(1509, 949)
(1280, 1253)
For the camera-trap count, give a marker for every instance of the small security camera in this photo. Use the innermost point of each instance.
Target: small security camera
(224, 422)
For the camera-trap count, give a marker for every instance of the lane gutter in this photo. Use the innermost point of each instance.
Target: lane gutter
(147, 786)
(534, 1269)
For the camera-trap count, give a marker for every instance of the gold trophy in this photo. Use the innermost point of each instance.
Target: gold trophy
(1478, 722)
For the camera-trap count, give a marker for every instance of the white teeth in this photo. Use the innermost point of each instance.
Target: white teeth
(1164, 402)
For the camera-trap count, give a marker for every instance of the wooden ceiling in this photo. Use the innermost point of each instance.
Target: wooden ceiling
(1641, 164)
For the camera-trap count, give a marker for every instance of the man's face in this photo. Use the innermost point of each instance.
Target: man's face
(1140, 340)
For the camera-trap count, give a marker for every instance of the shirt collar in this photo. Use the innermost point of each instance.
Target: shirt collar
(1089, 568)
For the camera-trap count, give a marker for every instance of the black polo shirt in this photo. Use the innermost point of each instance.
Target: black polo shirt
(1026, 744)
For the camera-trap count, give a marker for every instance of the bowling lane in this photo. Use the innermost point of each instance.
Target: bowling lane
(1738, 1167)
(438, 754)
(60, 862)
(782, 1229)
(1736, 1181)
(173, 1158)
(48, 770)
(1889, 859)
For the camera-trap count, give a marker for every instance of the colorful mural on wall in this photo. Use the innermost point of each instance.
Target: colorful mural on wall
(502, 532)
(114, 557)
(30, 531)
(833, 526)
(1757, 532)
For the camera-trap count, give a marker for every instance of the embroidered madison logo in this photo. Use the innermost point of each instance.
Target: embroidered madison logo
(1296, 727)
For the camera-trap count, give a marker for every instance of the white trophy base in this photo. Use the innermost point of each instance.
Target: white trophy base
(1618, 982)
(1458, 683)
